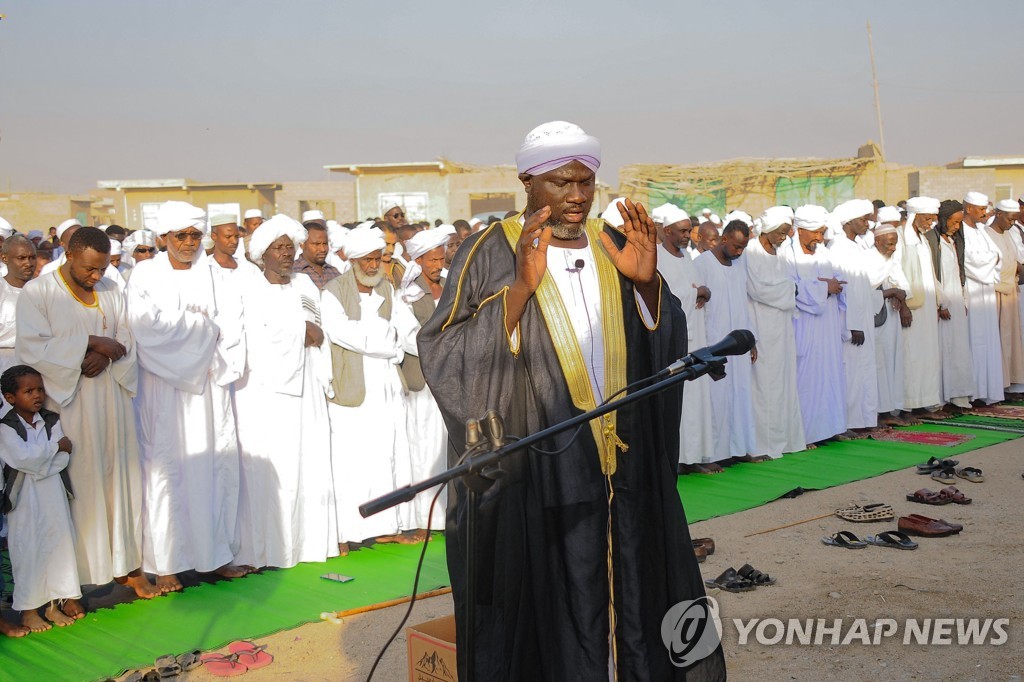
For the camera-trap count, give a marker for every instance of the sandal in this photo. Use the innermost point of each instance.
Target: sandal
(708, 544)
(846, 539)
(946, 475)
(971, 474)
(936, 463)
(951, 494)
(220, 665)
(190, 660)
(925, 496)
(167, 666)
(250, 655)
(755, 576)
(891, 538)
(869, 512)
(730, 581)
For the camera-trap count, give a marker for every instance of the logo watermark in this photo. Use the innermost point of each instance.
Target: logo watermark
(691, 630)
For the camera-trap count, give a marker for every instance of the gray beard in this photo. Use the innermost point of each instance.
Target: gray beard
(565, 231)
(366, 280)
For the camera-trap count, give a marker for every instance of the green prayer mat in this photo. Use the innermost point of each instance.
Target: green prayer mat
(210, 615)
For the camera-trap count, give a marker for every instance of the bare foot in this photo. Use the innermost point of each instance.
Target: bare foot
(9, 629)
(711, 468)
(33, 622)
(58, 617)
(343, 549)
(230, 571)
(386, 539)
(168, 583)
(73, 609)
(753, 459)
(889, 420)
(811, 446)
(138, 581)
(414, 536)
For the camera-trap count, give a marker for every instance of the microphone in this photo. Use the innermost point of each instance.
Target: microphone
(736, 342)
(577, 266)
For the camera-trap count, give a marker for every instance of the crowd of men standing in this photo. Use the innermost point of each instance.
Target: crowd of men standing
(231, 394)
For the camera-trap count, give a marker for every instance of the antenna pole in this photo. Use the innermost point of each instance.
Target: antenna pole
(878, 103)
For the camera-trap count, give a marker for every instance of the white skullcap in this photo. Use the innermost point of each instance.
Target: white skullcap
(669, 214)
(473, 222)
(1008, 206)
(852, 209)
(63, 227)
(741, 216)
(810, 217)
(32, 234)
(363, 240)
(976, 199)
(174, 216)
(923, 205)
(611, 214)
(554, 144)
(253, 213)
(715, 219)
(271, 230)
(115, 247)
(143, 238)
(775, 217)
(888, 214)
(706, 212)
(5, 229)
(885, 228)
(314, 214)
(426, 240)
(223, 219)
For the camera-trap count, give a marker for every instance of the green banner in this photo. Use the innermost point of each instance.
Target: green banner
(705, 195)
(828, 191)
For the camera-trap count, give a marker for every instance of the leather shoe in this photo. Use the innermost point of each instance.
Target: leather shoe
(930, 528)
(957, 527)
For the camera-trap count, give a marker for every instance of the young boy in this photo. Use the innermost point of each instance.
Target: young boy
(35, 452)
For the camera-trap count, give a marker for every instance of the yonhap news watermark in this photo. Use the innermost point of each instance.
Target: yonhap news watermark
(692, 630)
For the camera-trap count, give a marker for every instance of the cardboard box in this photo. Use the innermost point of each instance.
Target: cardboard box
(432, 651)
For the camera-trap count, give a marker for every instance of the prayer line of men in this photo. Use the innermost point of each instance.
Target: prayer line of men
(867, 317)
(212, 416)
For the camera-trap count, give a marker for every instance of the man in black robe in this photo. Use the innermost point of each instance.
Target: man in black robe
(593, 539)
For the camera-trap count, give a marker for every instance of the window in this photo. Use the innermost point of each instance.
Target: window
(149, 212)
(415, 204)
(1003, 192)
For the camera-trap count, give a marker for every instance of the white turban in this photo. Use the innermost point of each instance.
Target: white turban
(426, 240)
(775, 217)
(668, 214)
(253, 213)
(174, 216)
(63, 227)
(272, 230)
(810, 217)
(554, 144)
(922, 205)
(362, 241)
(115, 247)
(715, 219)
(336, 234)
(5, 229)
(741, 216)
(313, 215)
(852, 209)
(888, 214)
(475, 224)
(976, 199)
(611, 214)
(1008, 206)
(134, 240)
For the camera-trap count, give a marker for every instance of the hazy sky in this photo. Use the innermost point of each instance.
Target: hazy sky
(254, 90)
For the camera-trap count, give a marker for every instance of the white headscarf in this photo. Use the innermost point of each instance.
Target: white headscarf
(363, 240)
(115, 247)
(421, 243)
(5, 229)
(775, 217)
(922, 205)
(741, 216)
(63, 227)
(271, 230)
(668, 214)
(174, 216)
(552, 145)
(133, 241)
(810, 217)
(888, 214)
(336, 234)
(852, 209)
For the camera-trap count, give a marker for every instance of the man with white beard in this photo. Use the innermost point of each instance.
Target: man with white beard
(982, 265)
(821, 383)
(676, 266)
(424, 427)
(847, 253)
(368, 438)
(1007, 294)
(778, 427)
(191, 349)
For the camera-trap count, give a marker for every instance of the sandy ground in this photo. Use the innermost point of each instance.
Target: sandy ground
(979, 573)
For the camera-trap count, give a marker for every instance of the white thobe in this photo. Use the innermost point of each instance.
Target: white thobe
(695, 435)
(1007, 293)
(96, 414)
(732, 408)
(885, 273)
(111, 272)
(41, 536)
(424, 425)
(821, 383)
(287, 510)
(368, 442)
(8, 330)
(243, 270)
(954, 337)
(778, 426)
(982, 262)
(340, 264)
(858, 314)
(188, 328)
(1017, 235)
(922, 368)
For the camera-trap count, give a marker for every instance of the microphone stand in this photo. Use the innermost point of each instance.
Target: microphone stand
(478, 469)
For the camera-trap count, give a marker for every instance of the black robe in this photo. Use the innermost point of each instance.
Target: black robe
(542, 609)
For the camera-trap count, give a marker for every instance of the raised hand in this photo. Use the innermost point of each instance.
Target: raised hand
(531, 257)
(637, 260)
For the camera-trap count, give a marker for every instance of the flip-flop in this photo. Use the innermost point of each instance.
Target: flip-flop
(730, 581)
(220, 665)
(935, 463)
(755, 576)
(877, 511)
(190, 660)
(925, 496)
(844, 539)
(891, 538)
(139, 676)
(945, 475)
(251, 655)
(953, 495)
(167, 666)
(971, 474)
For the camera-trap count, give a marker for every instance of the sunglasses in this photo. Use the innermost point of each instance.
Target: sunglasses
(145, 249)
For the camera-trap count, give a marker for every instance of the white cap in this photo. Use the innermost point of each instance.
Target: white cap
(115, 247)
(63, 227)
(1008, 206)
(253, 213)
(314, 214)
(976, 199)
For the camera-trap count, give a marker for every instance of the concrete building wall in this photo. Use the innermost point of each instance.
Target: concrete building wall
(336, 198)
(425, 194)
(35, 210)
(136, 202)
(951, 183)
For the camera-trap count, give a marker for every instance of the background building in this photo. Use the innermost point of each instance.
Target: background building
(138, 200)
